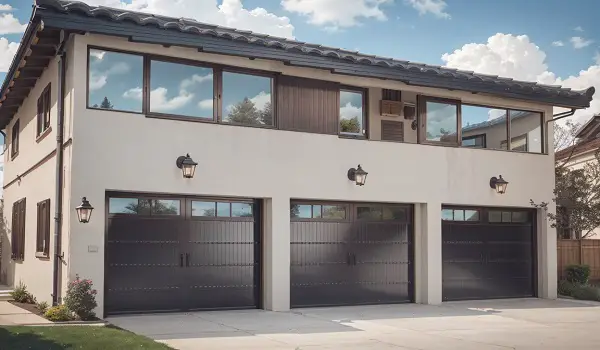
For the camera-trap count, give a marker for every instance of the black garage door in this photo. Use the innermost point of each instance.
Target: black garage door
(350, 254)
(488, 253)
(177, 253)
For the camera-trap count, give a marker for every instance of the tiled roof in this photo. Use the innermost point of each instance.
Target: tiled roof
(579, 148)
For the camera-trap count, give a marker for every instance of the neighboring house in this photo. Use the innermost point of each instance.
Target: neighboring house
(576, 156)
(271, 218)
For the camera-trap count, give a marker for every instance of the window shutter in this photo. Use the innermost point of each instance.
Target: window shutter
(392, 130)
(18, 230)
(43, 228)
(14, 236)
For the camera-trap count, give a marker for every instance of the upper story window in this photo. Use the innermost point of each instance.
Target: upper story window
(483, 127)
(247, 99)
(14, 139)
(115, 81)
(526, 131)
(440, 120)
(352, 112)
(43, 111)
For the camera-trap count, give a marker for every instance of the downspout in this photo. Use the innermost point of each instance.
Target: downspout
(58, 254)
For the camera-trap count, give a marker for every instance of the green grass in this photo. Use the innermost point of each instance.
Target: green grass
(73, 337)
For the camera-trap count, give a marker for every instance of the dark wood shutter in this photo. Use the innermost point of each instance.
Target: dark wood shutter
(392, 130)
(18, 230)
(43, 227)
(308, 105)
(14, 149)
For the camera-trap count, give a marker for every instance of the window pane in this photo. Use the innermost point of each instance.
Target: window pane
(316, 211)
(368, 213)
(180, 90)
(223, 209)
(520, 216)
(483, 127)
(301, 211)
(394, 213)
(472, 215)
(447, 214)
(247, 99)
(351, 113)
(526, 131)
(165, 207)
(203, 208)
(334, 212)
(494, 216)
(115, 81)
(506, 217)
(123, 206)
(459, 215)
(241, 210)
(441, 121)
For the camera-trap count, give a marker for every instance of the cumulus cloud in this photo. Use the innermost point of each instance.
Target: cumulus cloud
(6, 7)
(517, 57)
(348, 111)
(97, 54)
(161, 103)
(261, 100)
(578, 29)
(10, 25)
(134, 93)
(558, 43)
(99, 78)
(435, 7)
(195, 79)
(7, 52)
(579, 42)
(206, 104)
(334, 14)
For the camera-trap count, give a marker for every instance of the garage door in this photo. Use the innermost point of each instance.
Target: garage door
(350, 254)
(178, 253)
(488, 253)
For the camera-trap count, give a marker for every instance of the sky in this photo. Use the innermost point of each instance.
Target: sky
(550, 41)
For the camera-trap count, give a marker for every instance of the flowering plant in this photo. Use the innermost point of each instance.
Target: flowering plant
(81, 298)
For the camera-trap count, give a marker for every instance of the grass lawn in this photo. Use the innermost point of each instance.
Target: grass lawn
(73, 337)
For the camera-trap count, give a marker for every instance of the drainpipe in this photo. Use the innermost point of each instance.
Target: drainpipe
(58, 254)
(562, 115)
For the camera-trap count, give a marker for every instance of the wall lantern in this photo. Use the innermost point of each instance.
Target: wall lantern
(499, 184)
(84, 211)
(187, 166)
(357, 175)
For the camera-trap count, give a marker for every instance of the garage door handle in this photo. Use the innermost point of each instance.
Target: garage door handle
(187, 259)
(181, 260)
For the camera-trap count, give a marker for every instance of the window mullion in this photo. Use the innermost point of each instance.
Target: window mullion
(217, 95)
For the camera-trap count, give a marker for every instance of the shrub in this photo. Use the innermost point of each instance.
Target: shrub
(578, 274)
(586, 293)
(42, 306)
(58, 313)
(21, 295)
(81, 298)
(565, 288)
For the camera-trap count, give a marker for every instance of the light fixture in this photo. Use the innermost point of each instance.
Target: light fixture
(499, 184)
(357, 175)
(84, 211)
(187, 166)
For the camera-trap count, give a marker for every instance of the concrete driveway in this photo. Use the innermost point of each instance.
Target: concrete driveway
(482, 325)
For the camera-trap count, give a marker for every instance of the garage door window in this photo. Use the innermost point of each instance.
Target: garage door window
(222, 209)
(318, 211)
(460, 215)
(508, 216)
(140, 206)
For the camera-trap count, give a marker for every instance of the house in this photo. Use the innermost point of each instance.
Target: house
(229, 169)
(576, 156)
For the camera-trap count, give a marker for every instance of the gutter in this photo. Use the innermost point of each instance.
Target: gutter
(562, 115)
(58, 254)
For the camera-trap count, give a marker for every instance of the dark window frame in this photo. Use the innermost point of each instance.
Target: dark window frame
(221, 218)
(474, 137)
(464, 210)
(422, 123)
(42, 244)
(365, 112)
(408, 208)
(14, 139)
(43, 111)
(19, 212)
(346, 206)
(150, 214)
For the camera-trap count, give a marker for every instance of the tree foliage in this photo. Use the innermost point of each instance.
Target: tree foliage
(350, 125)
(245, 112)
(106, 104)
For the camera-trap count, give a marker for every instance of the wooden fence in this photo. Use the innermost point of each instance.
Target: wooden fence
(574, 252)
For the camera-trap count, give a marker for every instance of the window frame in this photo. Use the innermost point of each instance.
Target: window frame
(422, 116)
(216, 201)
(148, 198)
(321, 204)
(474, 137)
(18, 230)
(365, 112)
(43, 112)
(14, 139)
(43, 229)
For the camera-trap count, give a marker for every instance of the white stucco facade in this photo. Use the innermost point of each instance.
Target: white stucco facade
(116, 151)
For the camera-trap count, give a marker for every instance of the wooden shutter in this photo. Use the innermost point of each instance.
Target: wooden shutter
(40, 115)
(392, 130)
(43, 227)
(308, 105)
(15, 139)
(18, 230)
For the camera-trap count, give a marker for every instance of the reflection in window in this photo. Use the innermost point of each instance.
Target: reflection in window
(369, 213)
(442, 120)
(526, 131)
(508, 216)
(471, 215)
(129, 206)
(447, 214)
(334, 212)
(520, 216)
(180, 89)
(223, 209)
(115, 81)
(317, 211)
(494, 216)
(247, 99)
(165, 207)
(483, 127)
(460, 215)
(351, 113)
(206, 209)
(394, 213)
(301, 211)
(241, 210)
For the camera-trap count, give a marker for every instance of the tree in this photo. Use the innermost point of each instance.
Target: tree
(158, 207)
(350, 125)
(244, 112)
(266, 115)
(106, 104)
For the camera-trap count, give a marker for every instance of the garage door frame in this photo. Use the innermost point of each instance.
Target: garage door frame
(185, 215)
(484, 219)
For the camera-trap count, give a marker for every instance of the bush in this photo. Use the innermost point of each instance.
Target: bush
(578, 274)
(586, 293)
(42, 306)
(81, 298)
(21, 295)
(565, 288)
(58, 313)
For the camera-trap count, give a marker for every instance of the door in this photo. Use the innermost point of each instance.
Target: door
(488, 253)
(350, 254)
(173, 253)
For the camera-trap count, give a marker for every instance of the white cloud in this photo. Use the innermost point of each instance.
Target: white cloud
(195, 79)
(6, 7)
(7, 52)
(10, 25)
(579, 42)
(118, 68)
(206, 104)
(99, 79)
(231, 13)
(517, 57)
(335, 14)
(134, 93)
(435, 7)
(597, 57)
(97, 54)
(161, 103)
(261, 100)
(558, 43)
(349, 111)
(578, 29)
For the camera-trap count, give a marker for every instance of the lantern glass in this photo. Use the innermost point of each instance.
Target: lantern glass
(501, 187)
(188, 170)
(361, 178)
(84, 211)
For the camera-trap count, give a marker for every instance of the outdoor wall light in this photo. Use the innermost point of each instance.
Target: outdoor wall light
(357, 175)
(84, 211)
(187, 166)
(499, 184)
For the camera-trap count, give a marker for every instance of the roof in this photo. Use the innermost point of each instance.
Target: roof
(590, 128)
(78, 17)
(578, 148)
(498, 120)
